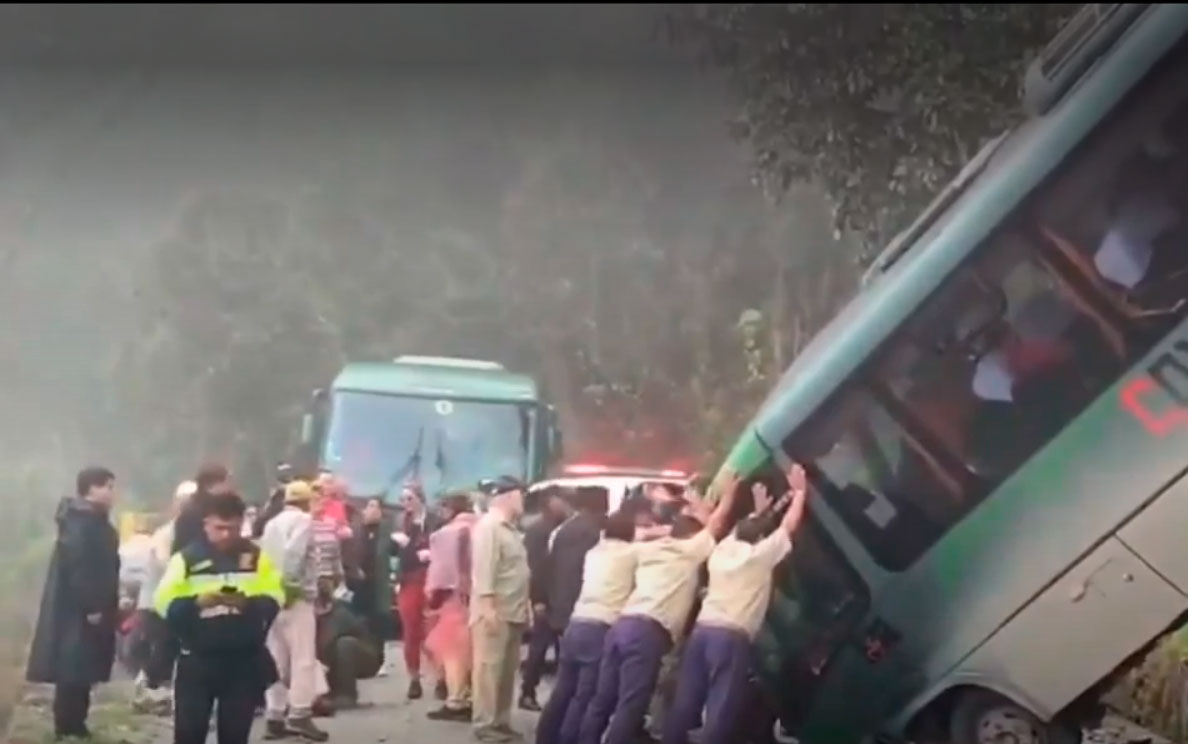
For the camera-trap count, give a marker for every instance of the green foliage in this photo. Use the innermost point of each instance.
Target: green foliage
(578, 255)
(879, 104)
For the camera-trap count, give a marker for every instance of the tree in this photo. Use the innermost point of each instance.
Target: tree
(878, 104)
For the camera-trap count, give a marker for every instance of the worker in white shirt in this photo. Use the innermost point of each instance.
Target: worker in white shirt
(666, 577)
(717, 656)
(608, 576)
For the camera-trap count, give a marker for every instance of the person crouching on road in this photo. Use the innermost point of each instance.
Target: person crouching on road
(292, 641)
(717, 657)
(447, 585)
(348, 648)
(499, 609)
(666, 580)
(219, 596)
(608, 577)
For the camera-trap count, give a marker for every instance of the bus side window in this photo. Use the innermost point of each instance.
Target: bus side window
(1003, 360)
(891, 494)
(1117, 213)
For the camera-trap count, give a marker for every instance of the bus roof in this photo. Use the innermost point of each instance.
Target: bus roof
(436, 381)
(1018, 165)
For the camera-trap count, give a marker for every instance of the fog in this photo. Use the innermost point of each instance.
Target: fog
(110, 130)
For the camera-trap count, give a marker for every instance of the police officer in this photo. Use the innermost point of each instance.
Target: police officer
(219, 595)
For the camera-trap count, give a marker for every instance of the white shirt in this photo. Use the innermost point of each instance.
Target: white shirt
(608, 576)
(1125, 253)
(740, 577)
(286, 540)
(666, 579)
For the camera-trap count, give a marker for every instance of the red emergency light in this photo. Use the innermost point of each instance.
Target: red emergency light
(595, 469)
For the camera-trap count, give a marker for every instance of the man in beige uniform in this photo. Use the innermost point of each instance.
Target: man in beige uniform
(666, 577)
(717, 657)
(498, 609)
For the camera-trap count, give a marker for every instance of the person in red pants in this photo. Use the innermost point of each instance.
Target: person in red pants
(412, 544)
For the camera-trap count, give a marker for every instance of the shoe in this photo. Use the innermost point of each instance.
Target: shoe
(274, 730)
(440, 691)
(528, 703)
(493, 735)
(509, 732)
(305, 728)
(414, 690)
(446, 713)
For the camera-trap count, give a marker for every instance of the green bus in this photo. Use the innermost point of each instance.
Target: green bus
(996, 426)
(443, 422)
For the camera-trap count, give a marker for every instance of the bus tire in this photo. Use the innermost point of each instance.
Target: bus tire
(983, 717)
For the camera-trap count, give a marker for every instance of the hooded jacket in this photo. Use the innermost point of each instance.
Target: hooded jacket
(82, 580)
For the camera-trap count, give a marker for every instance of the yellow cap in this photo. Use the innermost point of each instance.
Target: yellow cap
(298, 492)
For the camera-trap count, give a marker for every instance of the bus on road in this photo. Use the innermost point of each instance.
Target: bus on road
(442, 422)
(996, 427)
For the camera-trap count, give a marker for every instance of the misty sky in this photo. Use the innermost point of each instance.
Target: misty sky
(111, 115)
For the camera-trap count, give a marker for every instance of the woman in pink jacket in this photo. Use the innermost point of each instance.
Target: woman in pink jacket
(448, 588)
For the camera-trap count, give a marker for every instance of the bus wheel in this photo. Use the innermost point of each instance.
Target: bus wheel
(982, 717)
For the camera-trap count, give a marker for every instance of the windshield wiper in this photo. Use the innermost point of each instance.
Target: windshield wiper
(439, 460)
(412, 464)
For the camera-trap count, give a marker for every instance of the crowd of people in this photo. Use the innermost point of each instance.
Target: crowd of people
(283, 608)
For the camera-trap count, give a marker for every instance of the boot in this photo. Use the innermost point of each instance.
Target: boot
(305, 728)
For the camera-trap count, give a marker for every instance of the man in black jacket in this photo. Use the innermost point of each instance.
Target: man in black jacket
(212, 479)
(74, 642)
(539, 541)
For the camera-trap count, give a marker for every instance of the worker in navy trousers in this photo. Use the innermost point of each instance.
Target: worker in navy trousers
(666, 579)
(717, 658)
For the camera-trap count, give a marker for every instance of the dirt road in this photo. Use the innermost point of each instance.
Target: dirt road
(392, 718)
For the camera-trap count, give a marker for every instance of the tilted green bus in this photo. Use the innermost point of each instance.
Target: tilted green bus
(443, 422)
(996, 427)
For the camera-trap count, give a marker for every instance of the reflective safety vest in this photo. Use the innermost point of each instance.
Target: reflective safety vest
(199, 570)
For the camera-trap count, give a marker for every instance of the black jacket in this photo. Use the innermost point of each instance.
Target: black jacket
(536, 544)
(566, 562)
(418, 540)
(83, 579)
(188, 526)
(340, 622)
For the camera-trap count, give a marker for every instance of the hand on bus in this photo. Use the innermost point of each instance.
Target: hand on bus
(725, 484)
(798, 492)
(797, 480)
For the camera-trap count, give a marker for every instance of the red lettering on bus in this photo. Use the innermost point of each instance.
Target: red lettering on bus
(1157, 423)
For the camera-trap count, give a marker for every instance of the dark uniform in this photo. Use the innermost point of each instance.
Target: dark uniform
(223, 656)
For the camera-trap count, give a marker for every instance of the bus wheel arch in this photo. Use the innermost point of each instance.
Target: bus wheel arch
(976, 715)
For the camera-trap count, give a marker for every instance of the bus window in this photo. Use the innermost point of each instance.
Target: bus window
(890, 492)
(818, 600)
(1118, 212)
(1003, 359)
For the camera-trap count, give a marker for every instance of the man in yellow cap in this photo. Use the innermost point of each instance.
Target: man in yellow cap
(293, 637)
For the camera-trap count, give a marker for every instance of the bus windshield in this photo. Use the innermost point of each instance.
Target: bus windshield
(378, 442)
